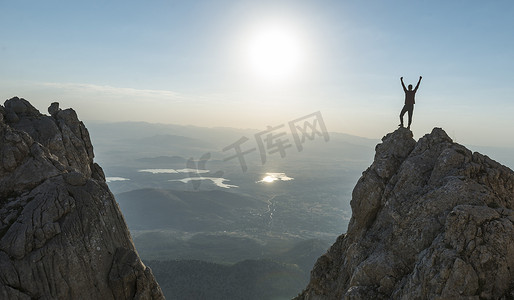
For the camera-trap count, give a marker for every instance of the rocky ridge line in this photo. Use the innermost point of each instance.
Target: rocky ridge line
(430, 220)
(62, 235)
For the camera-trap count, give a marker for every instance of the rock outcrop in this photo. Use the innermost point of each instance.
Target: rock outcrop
(62, 235)
(431, 220)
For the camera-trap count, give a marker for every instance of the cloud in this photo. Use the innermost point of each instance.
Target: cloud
(84, 90)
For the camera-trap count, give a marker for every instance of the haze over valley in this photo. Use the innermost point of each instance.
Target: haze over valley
(285, 212)
(184, 201)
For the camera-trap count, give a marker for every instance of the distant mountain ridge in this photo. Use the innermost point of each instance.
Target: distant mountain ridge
(430, 220)
(160, 161)
(217, 137)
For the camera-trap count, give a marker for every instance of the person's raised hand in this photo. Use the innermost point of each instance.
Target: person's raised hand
(401, 78)
(420, 77)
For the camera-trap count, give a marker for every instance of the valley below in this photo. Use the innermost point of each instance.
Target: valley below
(251, 234)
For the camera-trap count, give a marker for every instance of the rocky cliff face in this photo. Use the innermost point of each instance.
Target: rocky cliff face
(62, 235)
(431, 220)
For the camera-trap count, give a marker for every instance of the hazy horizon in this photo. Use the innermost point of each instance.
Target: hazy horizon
(501, 154)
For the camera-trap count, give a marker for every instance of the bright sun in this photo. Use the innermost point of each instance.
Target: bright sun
(274, 53)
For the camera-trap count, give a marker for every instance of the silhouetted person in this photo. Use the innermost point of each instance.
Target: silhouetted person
(409, 101)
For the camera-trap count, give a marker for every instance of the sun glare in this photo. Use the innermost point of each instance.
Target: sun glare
(272, 177)
(268, 179)
(274, 53)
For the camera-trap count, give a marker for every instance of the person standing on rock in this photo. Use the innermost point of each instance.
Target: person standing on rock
(409, 101)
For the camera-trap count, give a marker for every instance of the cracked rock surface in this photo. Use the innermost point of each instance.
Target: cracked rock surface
(430, 220)
(62, 235)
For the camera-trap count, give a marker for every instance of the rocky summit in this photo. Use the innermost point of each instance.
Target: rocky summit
(430, 220)
(62, 235)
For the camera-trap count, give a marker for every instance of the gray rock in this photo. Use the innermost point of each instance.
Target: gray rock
(126, 269)
(62, 235)
(64, 135)
(16, 105)
(20, 107)
(53, 108)
(12, 117)
(75, 178)
(431, 220)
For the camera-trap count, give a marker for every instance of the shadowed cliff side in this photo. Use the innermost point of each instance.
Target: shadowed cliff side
(62, 235)
(431, 220)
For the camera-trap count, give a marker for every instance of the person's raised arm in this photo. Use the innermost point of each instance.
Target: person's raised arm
(403, 85)
(417, 85)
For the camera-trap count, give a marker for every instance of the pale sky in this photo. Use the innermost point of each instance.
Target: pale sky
(250, 64)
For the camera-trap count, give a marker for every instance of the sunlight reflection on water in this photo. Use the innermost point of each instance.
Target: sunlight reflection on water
(272, 177)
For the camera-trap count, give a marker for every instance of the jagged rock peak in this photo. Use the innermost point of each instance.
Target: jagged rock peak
(62, 235)
(430, 220)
